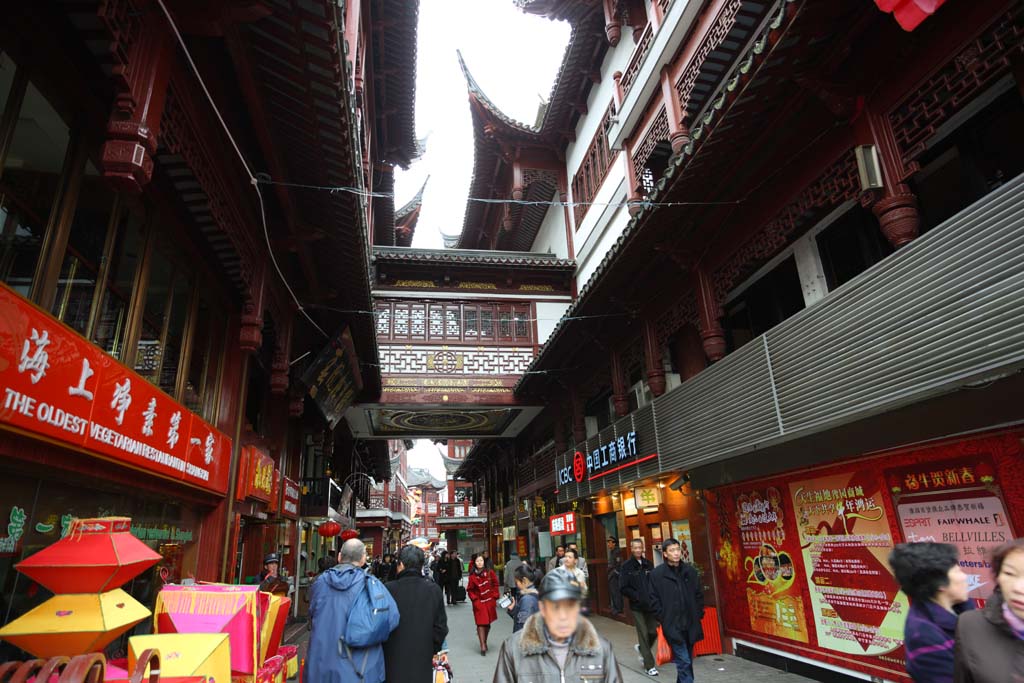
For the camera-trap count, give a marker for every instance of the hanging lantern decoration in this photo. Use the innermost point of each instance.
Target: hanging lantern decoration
(329, 528)
(349, 534)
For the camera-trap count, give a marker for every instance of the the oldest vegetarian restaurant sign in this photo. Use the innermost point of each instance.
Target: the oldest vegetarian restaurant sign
(55, 384)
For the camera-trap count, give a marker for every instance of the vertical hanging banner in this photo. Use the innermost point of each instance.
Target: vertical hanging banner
(845, 541)
(334, 378)
(773, 595)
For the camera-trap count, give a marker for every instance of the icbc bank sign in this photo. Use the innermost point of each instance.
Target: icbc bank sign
(610, 457)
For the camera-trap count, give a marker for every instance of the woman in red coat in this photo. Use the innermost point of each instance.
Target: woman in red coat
(483, 590)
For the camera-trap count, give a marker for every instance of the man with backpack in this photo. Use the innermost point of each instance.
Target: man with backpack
(634, 583)
(409, 652)
(352, 615)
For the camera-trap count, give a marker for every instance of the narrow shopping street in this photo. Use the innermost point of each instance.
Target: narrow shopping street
(469, 667)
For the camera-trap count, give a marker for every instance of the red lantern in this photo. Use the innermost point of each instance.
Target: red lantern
(349, 534)
(329, 528)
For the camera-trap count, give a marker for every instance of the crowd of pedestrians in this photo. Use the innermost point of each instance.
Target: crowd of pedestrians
(387, 622)
(946, 638)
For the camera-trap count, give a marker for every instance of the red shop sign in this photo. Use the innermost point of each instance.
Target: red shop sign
(255, 475)
(563, 524)
(55, 384)
(289, 498)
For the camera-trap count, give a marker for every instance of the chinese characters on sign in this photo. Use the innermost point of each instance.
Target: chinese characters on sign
(290, 498)
(334, 378)
(563, 524)
(845, 537)
(774, 600)
(646, 497)
(608, 458)
(55, 384)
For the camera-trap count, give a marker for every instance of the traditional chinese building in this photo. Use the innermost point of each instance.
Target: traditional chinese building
(170, 292)
(797, 322)
(461, 515)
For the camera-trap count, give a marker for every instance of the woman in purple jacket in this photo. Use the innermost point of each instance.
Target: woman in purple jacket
(930, 575)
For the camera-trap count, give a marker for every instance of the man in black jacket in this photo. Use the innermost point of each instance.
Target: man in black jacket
(678, 602)
(634, 583)
(409, 651)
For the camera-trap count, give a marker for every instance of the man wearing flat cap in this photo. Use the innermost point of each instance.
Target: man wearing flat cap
(557, 643)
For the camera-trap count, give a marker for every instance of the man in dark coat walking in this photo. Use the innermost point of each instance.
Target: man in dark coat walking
(409, 652)
(678, 602)
(634, 581)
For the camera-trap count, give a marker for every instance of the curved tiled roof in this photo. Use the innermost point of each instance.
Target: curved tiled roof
(724, 104)
(407, 217)
(394, 78)
(469, 257)
(557, 120)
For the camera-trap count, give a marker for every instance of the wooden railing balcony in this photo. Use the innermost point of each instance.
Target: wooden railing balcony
(453, 513)
(681, 88)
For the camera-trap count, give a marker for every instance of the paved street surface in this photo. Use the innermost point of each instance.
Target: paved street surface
(470, 667)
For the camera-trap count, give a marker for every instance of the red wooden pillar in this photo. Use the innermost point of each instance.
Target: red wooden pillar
(250, 334)
(579, 427)
(897, 210)
(678, 133)
(634, 198)
(709, 313)
(652, 358)
(688, 352)
(612, 22)
(559, 427)
(620, 386)
(142, 59)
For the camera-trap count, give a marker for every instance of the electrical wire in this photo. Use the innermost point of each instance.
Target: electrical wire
(487, 200)
(245, 164)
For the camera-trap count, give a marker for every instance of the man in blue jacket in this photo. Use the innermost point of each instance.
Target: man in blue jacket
(332, 597)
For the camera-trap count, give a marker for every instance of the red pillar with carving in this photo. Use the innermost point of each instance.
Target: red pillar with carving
(612, 22)
(653, 363)
(709, 313)
(678, 133)
(897, 210)
(579, 426)
(280, 366)
(250, 334)
(620, 385)
(141, 66)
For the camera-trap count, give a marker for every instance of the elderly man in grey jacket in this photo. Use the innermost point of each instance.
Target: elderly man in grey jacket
(558, 640)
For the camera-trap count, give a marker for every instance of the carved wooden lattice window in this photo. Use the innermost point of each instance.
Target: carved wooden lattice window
(651, 154)
(593, 168)
(454, 322)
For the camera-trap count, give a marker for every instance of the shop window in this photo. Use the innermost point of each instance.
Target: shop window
(167, 299)
(982, 154)
(30, 175)
(851, 245)
(765, 303)
(90, 239)
(201, 385)
(111, 321)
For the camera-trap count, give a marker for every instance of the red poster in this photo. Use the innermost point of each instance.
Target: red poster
(846, 539)
(771, 574)
(55, 384)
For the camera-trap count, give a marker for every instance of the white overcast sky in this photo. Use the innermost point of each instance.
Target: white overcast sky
(514, 58)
